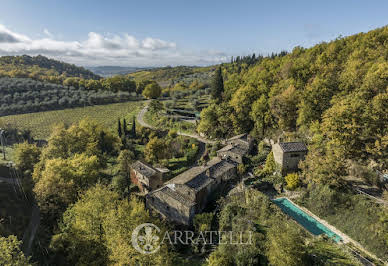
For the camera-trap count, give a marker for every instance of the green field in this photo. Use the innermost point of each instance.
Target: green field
(41, 123)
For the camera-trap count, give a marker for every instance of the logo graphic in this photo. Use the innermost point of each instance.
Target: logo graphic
(145, 238)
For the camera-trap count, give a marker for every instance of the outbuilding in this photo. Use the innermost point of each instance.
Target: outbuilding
(288, 155)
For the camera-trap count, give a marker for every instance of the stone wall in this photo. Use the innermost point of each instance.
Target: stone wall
(291, 160)
(146, 184)
(173, 211)
(277, 154)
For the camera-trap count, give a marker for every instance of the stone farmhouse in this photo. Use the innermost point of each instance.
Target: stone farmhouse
(288, 155)
(189, 193)
(145, 176)
(236, 148)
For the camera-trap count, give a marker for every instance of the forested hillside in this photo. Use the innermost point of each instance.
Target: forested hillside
(334, 97)
(170, 76)
(41, 67)
(338, 89)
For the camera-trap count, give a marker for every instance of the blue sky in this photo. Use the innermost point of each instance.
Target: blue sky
(163, 32)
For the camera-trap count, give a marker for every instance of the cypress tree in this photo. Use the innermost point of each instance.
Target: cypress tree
(217, 87)
(133, 127)
(125, 127)
(119, 128)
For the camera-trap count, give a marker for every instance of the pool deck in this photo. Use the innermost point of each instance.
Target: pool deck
(345, 238)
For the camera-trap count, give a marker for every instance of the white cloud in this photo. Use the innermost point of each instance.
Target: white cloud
(155, 44)
(112, 49)
(48, 33)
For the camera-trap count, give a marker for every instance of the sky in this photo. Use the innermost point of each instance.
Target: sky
(176, 32)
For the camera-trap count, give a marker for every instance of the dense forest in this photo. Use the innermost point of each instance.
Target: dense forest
(171, 76)
(334, 97)
(337, 89)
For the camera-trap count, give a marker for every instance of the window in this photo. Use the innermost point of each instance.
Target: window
(294, 155)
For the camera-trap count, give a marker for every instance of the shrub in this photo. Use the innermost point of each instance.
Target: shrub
(270, 165)
(202, 222)
(292, 181)
(172, 133)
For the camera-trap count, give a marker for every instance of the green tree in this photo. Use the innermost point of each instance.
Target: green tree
(26, 156)
(97, 230)
(285, 246)
(82, 234)
(119, 129)
(156, 150)
(125, 159)
(261, 115)
(140, 86)
(57, 185)
(119, 226)
(203, 221)
(119, 83)
(125, 128)
(152, 91)
(270, 164)
(10, 252)
(83, 137)
(217, 86)
(209, 121)
(133, 130)
(155, 107)
(284, 106)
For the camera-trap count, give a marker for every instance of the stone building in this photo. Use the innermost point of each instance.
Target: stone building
(188, 193)
(236, 148)
(145, 176)
(288, 155)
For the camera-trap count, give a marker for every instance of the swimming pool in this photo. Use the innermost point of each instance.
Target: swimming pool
(308, 222)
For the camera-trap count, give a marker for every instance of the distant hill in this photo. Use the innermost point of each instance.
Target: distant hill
(168, 76)
(40, 67)
(25, 95)
(107, 71)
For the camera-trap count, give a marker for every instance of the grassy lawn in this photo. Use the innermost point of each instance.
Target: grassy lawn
(41, 123)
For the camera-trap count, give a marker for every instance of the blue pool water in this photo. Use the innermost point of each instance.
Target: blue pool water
(308, 222)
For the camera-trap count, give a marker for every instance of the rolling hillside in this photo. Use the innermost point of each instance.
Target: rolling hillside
(37, 66)
(168, 76)
(107, 71)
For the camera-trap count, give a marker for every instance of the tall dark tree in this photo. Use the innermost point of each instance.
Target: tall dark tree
(119, 131)
(133, 131)
(125, 129)
(217, 86)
